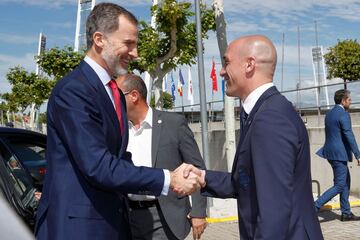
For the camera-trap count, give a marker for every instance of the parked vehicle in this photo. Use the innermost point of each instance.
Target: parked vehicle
(29, 148)
(16, 186)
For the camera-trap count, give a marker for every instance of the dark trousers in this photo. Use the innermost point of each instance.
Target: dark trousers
(149, 224)
(341, 186)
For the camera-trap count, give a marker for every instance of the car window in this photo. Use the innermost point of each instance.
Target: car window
(19, 176)
(26, 151)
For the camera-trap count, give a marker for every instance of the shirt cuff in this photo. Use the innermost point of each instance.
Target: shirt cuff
(165, 189)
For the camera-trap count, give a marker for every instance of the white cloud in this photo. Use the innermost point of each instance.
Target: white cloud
(18, 39)
(280, 9)
(45, 3)
(61, 3)
(273, 17)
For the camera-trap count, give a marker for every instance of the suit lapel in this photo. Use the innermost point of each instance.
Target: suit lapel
(125, 134)
(95, 81)
(156, 132)
(268, 93)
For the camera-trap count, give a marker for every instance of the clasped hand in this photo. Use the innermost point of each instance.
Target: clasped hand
(187, 179)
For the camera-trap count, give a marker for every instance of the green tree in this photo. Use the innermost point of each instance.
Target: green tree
(57, 62)
(167, 101)
(26, 89)
(171, 43)
(343, 61)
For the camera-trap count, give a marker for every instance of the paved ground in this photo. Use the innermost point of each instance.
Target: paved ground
(332, 227)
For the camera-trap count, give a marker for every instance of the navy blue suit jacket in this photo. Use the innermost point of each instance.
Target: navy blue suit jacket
(89, 171)
(339, 138)
(271, 174)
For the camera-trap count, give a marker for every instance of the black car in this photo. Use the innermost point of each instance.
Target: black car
(27, 147)
(16, 185)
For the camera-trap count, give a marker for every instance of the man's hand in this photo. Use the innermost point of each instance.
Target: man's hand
(191, 171)
(198, 227)
(37, 195)
(358, 160)
(184, 185)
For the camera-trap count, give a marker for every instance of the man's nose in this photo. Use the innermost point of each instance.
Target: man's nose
(134, 53)
(222, 72)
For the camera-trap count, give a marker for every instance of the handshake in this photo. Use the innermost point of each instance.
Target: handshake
(187, 179)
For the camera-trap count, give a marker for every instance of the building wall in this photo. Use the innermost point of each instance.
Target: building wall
(320, 168)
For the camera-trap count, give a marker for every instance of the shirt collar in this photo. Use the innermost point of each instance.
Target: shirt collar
(254, 96)
(99, 70)
(341, 106)
(148, 121)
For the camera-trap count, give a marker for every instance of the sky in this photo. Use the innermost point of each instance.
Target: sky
(22, 21)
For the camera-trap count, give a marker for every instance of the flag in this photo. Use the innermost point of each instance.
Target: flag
(172, 87)
(181, 78)
(164, 83)
(213, 77)
(179, 88)
(190, 95)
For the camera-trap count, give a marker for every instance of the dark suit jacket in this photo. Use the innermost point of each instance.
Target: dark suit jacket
(340, 141)
(173, 143)
(271, 174)
(89, 171)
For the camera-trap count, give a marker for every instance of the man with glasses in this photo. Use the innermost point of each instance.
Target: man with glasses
(160, 134)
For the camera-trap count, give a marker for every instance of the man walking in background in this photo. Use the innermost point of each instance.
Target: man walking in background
(339, 145)
(169, 141)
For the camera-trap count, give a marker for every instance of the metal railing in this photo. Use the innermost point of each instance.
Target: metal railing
(304, 100)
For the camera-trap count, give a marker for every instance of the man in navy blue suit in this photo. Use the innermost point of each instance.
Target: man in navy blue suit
(89, 171)
(270, 176)
(339, 145)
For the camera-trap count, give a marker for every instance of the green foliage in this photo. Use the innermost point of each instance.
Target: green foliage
(167, 101)
(343, 60)
(174, 32)
(59, 62)
(42, 118)
(27, 88)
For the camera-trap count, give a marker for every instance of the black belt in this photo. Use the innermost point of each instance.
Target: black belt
(142, 204)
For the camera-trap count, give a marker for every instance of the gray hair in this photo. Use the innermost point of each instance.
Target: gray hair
(135, 82)
(340, 95)
(104, 18)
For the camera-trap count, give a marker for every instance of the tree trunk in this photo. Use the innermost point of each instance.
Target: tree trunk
(345, 84)
(32, 117)
(218, 6)
(158, 93)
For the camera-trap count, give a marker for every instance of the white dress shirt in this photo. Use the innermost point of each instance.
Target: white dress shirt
(105, 79)
(140, 147)
(254, 96)
(102, 74)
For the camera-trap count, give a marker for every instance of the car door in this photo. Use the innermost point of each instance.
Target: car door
(30, 150)
(16, 185)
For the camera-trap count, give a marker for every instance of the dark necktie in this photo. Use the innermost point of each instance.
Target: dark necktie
(117, 102)
(243, 116)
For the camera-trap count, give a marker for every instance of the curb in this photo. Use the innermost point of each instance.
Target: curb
(334, 206)
(331, 206)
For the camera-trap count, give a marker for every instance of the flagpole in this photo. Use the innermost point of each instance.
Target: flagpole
(182, 104)
(203, 113)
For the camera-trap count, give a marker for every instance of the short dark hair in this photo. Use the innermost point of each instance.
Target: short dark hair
(105, 18)
(340, 95)
(135, 82)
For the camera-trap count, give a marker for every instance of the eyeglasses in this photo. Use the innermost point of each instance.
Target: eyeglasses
(126, 93)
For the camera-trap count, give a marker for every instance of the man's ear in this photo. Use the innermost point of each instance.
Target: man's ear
(98, 39)
(134, 96)
(250, 64)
